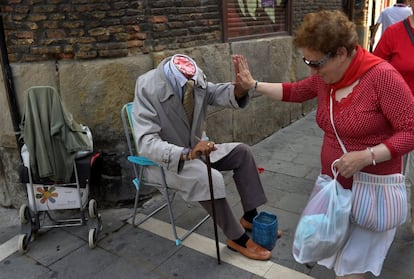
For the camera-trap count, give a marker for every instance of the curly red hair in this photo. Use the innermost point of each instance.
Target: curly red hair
(326, 31)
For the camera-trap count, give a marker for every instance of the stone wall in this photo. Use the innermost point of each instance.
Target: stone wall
(94, 92)
(49, 30)
(301, 8)
(92, 51)
(41, 30)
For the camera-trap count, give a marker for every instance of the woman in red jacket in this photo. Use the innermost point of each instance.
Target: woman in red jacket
(373, 112)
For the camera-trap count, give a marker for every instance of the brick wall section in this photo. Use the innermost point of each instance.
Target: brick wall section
(41, 30)
(301, 8)
(181, 24)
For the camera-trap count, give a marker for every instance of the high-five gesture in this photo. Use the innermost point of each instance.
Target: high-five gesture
(244, 78)
(239, 90)
(245, 81)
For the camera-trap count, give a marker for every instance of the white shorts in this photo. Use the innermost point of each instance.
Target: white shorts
(364, 251)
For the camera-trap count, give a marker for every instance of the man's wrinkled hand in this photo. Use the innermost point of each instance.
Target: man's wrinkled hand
(203, 148)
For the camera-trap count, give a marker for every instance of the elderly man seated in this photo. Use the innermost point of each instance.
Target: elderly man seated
(169, 115)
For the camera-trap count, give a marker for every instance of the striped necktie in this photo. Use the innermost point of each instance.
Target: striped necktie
(188, 100)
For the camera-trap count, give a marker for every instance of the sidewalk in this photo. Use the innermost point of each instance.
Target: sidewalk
(290, 158)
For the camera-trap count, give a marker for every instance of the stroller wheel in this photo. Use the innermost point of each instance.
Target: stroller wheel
(24, 214)
(23, 243)
(93, 208)
(93, 235)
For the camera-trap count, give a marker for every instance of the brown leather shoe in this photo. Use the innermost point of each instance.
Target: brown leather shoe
(245, 224)
(249, 226)
(252, 250)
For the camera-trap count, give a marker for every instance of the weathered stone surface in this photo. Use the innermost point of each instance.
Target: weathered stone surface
(219, 127)
(95, 91)
(26, 75)
(7, 136)
(12, 192)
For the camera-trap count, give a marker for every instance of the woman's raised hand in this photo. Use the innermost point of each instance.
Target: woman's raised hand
(244, 78)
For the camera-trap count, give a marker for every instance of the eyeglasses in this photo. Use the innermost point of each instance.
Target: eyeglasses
(318, 63)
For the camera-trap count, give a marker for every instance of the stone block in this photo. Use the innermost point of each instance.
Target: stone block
(100, 91)
(94, 92)
(219, 126)
(26, 75)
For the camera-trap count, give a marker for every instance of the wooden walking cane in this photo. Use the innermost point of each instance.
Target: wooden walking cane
(210, 182)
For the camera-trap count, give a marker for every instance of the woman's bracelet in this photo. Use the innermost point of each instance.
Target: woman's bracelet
(371, 150)
(255, 86)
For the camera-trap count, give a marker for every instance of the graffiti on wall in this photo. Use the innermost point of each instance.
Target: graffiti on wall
(259, 8)
(256, 17)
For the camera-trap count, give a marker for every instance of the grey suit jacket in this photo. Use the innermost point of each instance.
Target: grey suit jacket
(162, 130)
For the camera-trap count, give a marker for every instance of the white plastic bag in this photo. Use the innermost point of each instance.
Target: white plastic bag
(324, 223)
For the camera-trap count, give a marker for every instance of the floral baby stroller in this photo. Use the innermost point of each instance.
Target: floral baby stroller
(57, 157)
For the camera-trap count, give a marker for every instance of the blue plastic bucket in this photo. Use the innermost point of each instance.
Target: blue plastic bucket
(265, 230)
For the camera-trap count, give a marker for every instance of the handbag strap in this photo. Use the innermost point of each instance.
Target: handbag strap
(332, 122)
(408, 28)
(336, 133)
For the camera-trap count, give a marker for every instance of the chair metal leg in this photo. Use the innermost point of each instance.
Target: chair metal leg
(139, 163)
(170, 212)
(135, 203)
(178, 240)
(151, 214)
(192, 230)
(168, 203)
(136, 181)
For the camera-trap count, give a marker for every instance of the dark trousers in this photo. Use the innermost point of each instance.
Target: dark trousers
(246, 177)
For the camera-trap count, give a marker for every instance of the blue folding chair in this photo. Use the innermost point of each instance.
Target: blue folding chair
(139, 165)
